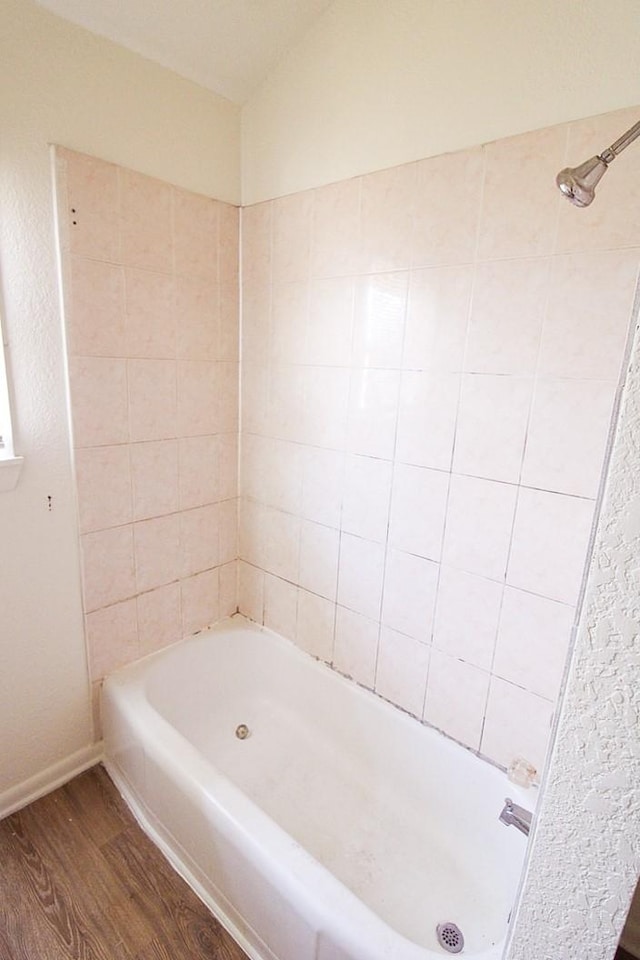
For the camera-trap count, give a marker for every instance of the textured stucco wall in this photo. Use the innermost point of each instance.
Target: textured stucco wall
(585, 854)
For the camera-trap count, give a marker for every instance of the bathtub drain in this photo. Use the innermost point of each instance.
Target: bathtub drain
(450, 937)
(242, 731)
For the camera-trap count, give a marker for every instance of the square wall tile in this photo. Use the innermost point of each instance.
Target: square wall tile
(361, 571)
(519, 222)
(409, 599)
(533, 641)
(195, 234)
(256, 223)
(478, 526)
(152, 399)
(550, 539)
(289, 321)
(197, 318)
(401, 675)
(199, 601)
(154, 473)
(228, 465)
(437, 318)
(387, 212)
(356, 646)
(251, 590)
(159, 618)
(228, 239)
(279, 472)
(518, 724)
(456, 698)
(198, 398)
(380, 309)
(589, 314)
(373, 412)
(446, 219)
(272, 472)
(291, 237)
(228, 375)
(567, 437)
(418, 510)
(199, 469)
(112, 638)
(107, 567)
(509, 299)
(94, 310)
(467, 614)
(103, 478)
(319, 548)
(314, 630)
(256, 320)
(427, 418)
(326, 403)
(199, 539)
(252, 538)
(329, 332)
(322, 485)
(150, 314)
(492, 425)
(228, 590)
(365, 509)
(286, 416)
(228, 537)
(229, 326)
(157, 551)
(145, 221)
(281, 540)
(280, 606)
(256, 397)
(335, 247)
(98, 401)
(91, 216)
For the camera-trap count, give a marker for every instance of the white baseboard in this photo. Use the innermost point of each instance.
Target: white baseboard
(54, 776)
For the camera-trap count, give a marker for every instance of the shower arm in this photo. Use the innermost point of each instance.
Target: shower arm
(620, 144)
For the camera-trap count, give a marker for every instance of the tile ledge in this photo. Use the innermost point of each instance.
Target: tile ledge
(10, 468)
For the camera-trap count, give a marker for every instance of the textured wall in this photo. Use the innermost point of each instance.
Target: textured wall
(585, 855)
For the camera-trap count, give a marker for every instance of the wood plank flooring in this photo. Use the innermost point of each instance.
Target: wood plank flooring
(79, 880)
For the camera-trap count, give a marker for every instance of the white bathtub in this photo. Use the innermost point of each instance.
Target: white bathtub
(339, 829)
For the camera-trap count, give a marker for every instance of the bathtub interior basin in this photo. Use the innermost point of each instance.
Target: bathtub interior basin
(316, 820)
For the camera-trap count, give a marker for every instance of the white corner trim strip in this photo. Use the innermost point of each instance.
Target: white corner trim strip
(50, 779)
(10, 468)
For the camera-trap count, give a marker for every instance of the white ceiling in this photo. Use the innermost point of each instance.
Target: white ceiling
(228, 46)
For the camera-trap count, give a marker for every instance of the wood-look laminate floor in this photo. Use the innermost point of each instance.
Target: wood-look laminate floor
(79, 880)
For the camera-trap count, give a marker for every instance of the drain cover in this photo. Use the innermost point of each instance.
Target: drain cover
(450, 937)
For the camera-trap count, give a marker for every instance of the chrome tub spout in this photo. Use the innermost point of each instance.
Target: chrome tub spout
(514, 815)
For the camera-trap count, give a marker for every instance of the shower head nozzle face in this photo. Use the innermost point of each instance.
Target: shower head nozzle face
(578, 184)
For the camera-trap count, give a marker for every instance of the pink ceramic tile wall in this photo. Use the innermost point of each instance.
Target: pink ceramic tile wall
(151, 307)
(430, 358)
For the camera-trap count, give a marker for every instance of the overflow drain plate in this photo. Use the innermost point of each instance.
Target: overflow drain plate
(450, 937)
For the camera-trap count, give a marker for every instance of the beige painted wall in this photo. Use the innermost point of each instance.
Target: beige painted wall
(60, 84)
(374, 84)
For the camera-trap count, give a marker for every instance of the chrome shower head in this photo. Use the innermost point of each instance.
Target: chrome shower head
(579, 183)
